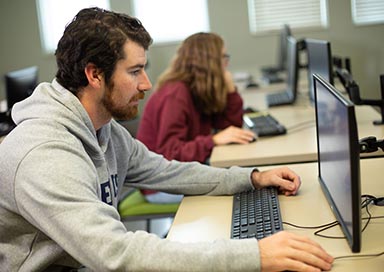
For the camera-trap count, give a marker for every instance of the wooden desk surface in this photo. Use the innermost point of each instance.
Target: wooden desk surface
(298, 145)
(208, 218)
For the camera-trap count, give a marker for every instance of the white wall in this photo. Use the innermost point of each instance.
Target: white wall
(20, 42)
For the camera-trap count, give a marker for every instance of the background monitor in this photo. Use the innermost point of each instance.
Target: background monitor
(288, 96)
(292, 66)
(282, 50)
(20, 84)
(281, 64)
(339, 158)
(319, 62)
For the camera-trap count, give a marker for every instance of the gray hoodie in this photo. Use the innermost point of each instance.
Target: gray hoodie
(60, 181)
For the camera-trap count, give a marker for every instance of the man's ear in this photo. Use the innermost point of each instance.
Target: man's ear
(93, 75)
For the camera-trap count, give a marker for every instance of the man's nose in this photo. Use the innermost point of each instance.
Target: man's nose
(145, 83)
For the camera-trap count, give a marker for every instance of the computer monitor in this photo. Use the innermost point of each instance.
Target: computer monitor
(281, 64)
(282, 50)
(20, 84)
(339, 158)
(292, 66)
(288, 96)
(319, 62)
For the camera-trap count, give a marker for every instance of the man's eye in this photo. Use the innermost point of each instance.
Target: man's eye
(135, 72)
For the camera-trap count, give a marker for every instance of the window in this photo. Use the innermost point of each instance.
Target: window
(54, 15)
(172, 20)
(367, 11)
(270, 15)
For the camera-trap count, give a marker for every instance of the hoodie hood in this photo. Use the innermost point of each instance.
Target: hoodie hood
(52, 103)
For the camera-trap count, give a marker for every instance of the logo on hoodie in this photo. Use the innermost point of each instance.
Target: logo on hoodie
(109, 190)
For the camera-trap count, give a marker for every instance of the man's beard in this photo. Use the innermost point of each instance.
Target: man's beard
(121, 112)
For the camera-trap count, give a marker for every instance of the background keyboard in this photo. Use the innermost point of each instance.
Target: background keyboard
(264, 124)
(276, 99)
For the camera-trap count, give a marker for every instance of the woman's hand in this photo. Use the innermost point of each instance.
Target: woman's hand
(233, 134)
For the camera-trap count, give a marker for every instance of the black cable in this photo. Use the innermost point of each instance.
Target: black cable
(317, 233)
(309, 227)
(363, 205)
(305, 123)
(374, 217)
(368, 199)
(359, 256)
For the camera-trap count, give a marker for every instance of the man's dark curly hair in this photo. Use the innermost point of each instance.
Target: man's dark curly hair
(95, 36)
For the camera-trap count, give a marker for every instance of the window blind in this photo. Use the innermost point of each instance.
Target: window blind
(172, 20)
(54, 15)
(367, 11)
(269, 15)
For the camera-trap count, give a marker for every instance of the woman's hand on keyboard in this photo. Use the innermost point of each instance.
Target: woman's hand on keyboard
(289, 251)
(233, 134)
(284, 178)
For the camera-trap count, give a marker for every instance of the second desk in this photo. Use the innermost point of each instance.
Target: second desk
(298, 145)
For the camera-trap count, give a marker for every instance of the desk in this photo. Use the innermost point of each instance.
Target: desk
(207, 218)
(299, 144)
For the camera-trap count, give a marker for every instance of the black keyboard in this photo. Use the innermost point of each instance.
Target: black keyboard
(281, 98)
(256, 214)
(264, 124)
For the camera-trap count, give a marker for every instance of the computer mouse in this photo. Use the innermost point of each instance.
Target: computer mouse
(252, 85)
(254, 139)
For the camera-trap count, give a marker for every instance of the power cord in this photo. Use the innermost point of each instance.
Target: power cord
(366, 201)
(308, 123)
(359, 256)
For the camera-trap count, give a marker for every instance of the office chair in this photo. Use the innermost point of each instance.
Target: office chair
(134, 207)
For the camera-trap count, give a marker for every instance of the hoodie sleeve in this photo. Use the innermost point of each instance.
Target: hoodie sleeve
(148, 170)
(60, 198)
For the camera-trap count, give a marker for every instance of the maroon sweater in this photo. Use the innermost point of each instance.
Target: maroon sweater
(172, 126)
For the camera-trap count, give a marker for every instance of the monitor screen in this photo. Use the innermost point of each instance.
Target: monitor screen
(20, 84)
(282, 50)
(292, 66)
(339, 158)
(319, 62)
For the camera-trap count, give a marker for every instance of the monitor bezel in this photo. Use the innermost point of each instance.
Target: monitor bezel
(353, 238)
